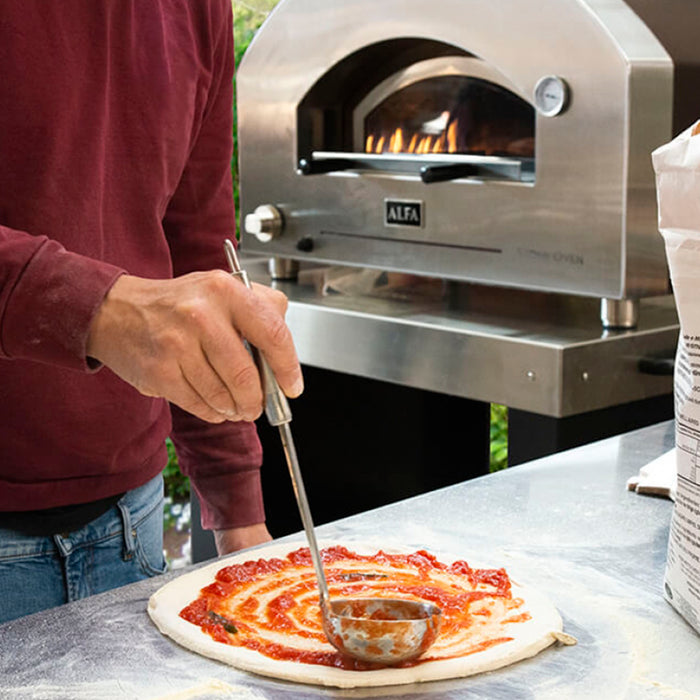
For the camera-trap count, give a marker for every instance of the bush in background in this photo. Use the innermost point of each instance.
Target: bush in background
(247, 18)
(499, 438)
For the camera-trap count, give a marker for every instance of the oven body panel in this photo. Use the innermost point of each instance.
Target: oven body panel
(585, 224)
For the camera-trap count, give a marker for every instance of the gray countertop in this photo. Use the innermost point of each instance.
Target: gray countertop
(564, 524)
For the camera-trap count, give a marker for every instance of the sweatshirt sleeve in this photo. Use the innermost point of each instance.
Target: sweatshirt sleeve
(223, 460)
(48, 297)
(200, 214)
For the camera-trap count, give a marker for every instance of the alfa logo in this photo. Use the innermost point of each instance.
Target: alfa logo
(403, 212)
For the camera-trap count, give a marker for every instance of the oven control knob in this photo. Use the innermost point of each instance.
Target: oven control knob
(305, 244)
(265, 223)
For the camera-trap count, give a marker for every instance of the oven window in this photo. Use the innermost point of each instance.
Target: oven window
(452, 114)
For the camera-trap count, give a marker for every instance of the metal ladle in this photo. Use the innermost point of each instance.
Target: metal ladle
(379, 630)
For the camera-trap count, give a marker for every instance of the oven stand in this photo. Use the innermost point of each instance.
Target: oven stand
(391, 442)
(531, 436)
(364, 443)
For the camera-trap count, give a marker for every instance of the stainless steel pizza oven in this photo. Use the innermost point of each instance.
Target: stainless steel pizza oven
(499, 151)
(499, 142)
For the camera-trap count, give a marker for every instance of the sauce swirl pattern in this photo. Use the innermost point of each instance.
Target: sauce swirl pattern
(271, 605)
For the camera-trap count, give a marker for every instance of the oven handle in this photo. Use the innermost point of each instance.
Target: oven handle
(327, 165)
(444, 173)
(428, 173)
(659, 366)
(438, 170)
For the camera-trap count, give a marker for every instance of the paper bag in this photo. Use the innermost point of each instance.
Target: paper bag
(677, 166)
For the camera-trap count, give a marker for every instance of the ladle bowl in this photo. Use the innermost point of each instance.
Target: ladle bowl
(385, 631)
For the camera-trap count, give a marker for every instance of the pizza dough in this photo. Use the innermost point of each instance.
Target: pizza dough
(501, 633)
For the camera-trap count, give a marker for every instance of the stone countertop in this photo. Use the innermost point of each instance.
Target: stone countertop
(565, 524)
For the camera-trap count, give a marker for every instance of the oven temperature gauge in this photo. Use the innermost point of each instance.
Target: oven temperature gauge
(551, 95)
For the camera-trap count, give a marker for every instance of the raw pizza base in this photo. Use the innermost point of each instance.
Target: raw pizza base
(529, 638)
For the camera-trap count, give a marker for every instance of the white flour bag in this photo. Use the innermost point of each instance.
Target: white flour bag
(677, 166)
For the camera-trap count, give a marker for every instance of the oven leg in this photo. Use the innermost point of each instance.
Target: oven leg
(283, 269)
(619, 313)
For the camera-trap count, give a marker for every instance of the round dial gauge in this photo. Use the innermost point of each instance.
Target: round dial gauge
(551, 95)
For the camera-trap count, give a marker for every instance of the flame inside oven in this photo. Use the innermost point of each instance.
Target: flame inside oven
(451, 114)
(445, 141)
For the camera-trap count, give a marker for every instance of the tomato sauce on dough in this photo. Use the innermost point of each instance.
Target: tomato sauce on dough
(271, 606)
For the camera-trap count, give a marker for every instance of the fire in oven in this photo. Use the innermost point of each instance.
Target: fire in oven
(500, 143)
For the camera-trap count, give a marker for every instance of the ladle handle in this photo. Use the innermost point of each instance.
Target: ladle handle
(300, 493)
(276, 405)
(278, 413)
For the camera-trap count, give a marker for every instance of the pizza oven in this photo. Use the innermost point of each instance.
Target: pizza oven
(493, 142)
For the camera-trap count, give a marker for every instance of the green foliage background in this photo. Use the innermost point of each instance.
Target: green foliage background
(499, 437)
(248, 15)
(247, 18)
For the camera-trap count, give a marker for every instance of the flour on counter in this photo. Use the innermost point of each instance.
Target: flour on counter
(209, 689)
(212, 688)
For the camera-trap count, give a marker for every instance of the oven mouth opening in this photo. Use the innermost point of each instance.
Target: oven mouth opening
(440, 118)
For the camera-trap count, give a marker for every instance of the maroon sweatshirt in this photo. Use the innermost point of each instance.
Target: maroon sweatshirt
(115, 150)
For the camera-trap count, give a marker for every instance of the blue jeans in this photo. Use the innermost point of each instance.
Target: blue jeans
(122, 546)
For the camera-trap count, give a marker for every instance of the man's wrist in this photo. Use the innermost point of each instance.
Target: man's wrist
(236, 538)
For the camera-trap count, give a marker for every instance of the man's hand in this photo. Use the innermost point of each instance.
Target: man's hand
(182, 339)
(232, 540)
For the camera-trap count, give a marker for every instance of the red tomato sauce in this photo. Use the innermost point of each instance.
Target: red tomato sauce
(291, 602)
